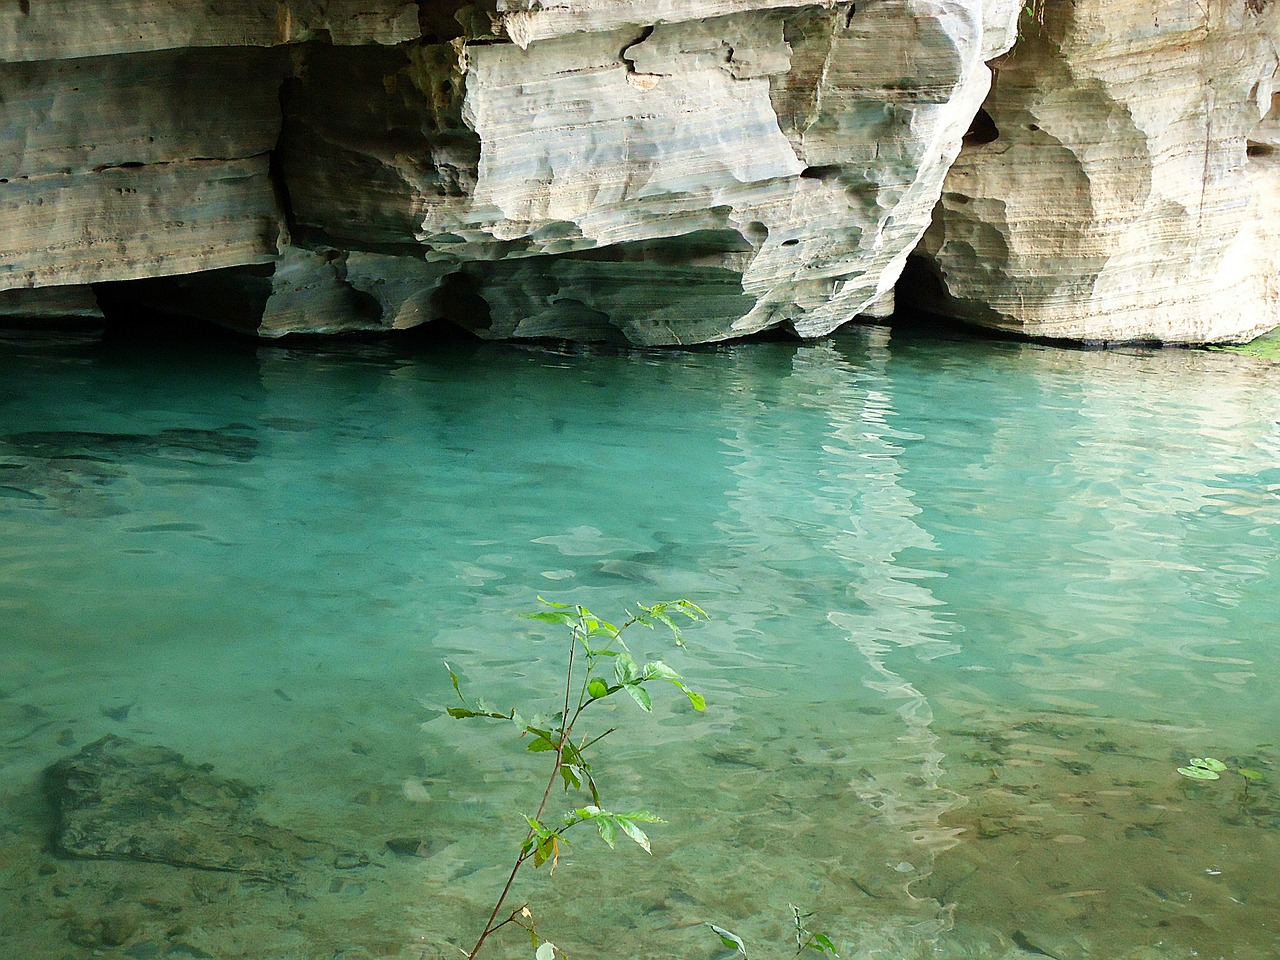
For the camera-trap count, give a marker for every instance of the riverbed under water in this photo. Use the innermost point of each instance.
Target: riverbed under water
(973, 604)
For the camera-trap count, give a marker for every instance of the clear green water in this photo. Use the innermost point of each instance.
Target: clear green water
(974, 603)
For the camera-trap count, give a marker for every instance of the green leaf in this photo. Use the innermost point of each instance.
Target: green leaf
(550, 616)
(729, 938)
(608, 830)
(454, 677)
(625, 669)
(1208, 763)
(597, 688)
(464, 712)
(657, 670)
(640, 695)
(699, 703)
(822, 944)
(634, 832)
(1198, 773)
(1249, 773)
(644, 816)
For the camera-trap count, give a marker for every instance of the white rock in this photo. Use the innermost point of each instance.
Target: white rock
(1119, 201)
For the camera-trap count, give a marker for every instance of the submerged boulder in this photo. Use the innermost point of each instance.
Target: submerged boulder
(121, 800)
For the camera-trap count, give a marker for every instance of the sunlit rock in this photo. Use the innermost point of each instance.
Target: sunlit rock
(651, 172)
(1122, 184)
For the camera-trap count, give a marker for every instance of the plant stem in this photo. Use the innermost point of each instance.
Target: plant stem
(565, 729)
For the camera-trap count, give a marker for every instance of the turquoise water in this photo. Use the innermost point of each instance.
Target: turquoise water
(973, 603)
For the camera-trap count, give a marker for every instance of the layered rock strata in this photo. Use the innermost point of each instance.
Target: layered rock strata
(1123, 185)
(658, 172)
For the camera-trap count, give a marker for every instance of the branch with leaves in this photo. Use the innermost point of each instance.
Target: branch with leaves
(599, 664)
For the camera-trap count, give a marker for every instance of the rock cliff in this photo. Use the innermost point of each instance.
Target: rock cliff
(651, 171)
(1123, 184)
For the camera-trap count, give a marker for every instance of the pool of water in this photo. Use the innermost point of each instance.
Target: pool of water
(973, 603)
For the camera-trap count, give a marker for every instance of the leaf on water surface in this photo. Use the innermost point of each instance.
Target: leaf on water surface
(1198, 773)
(1249, 773)
(1208, 763)
(729, 938)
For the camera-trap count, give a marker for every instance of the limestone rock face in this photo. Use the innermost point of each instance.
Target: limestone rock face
(1123, 185)
(63, 29)
(658, 171)
(139, 134)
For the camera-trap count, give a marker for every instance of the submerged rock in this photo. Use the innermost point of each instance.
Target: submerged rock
(121, 800)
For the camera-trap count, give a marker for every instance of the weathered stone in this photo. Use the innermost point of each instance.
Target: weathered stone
(303, 291)
(1111, 194)
(126, 222)
(693, 178)
(119, 174)
(120, 800)
(49, 303)
(65, 29)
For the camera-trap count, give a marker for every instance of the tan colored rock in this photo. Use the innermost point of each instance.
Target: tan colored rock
(1113, 195)
(128, 222)
(137, 166)
(34, 307)
(63, 29)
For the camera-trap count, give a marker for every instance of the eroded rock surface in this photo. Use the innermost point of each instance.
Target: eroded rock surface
(121, 800)
(654, 172)
(1123, 186)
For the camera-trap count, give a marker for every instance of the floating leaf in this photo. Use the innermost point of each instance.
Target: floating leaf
(1198, 773)
(1249, 773)
(729, 938)
(1208, 763)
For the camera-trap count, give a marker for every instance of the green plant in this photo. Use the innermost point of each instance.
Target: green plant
(806, 939)
(1208, 768)
(592, 643)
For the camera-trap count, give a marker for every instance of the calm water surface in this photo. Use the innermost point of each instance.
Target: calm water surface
(973, 605)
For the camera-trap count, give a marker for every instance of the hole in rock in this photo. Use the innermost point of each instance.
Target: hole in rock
(1260, 149)
(982, 130)
(825, 174)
